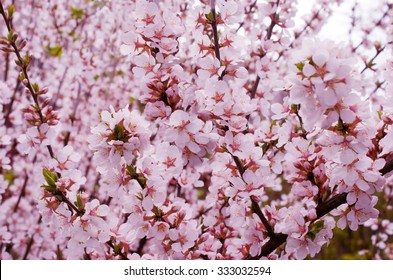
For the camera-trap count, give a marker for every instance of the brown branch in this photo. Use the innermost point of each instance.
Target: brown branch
(254, 205)
(387, 168)
(115, 251)
(322, 209)
(215, 33)
(327, 206)
(268, 37)
(272, 23)
(255, 87)
(257, 210)
(23, 65)
(31, 241)
(7, 66)
(272, 244)
(54, 105)
(22, 193)
(141, 244)
(8, 109)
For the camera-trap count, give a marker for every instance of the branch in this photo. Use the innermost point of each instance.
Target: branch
(255, 208)
(8, 109)
(63, 198)
(215, 33)
(378, 23)
(370, 63)
(322, 209)
(31, 241)
(255, 87)
(387, 168)
(23, 63)
(247, 13)
(116, 251)
(22, 193)
(254, 205)
(268, 36)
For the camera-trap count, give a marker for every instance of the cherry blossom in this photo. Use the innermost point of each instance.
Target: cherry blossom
(193, 130)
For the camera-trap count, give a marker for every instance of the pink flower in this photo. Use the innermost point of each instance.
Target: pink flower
(183, 237)
(36, 137)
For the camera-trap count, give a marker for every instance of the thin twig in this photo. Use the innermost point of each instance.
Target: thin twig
(23, 67)
(389, 7)
(257, 210)
(369, 64)
(215, 34)
(268, 37)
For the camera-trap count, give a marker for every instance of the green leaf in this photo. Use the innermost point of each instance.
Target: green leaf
(79, 203)
(300, 66)
(50, 177)
(131, 169)
(224, 148)
(139, 196)
(273, 123)
(11, 10)
(10, 35)
(311, 235)
(9, 176)
(201, 193)
(26, 59)
(209, 16)
(35, 87)
(77, 13)
(119, 133)
(318, 226)
(50, 189)
(294, 107)
(55, 51)
(157, 211)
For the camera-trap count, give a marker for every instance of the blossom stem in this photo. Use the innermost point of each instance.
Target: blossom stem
(378, 23)
(64, 199)
(7, 120)
(257, 210)
(23, 66)
(370, 63)
(141, 244)
(121, 254)
(7, 66)
(247, 13)
(272, 23)
(22, 193)
(215, 33)
(255, 87)
(254, 205)
(268, 37)
(300, 121)
(387, 168)
(31, 241)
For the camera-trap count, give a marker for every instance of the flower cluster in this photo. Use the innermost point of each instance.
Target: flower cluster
(173, 129)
